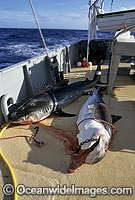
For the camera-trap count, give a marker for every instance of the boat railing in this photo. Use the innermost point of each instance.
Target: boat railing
(125, 46)
(24, 80)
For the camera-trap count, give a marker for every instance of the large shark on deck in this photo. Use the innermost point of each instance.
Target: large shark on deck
(95, 131)
(52, 101)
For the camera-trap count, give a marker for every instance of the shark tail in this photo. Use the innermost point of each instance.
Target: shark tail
(97, 76)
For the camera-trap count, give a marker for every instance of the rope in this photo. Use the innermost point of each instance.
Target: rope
(4, 159)
(39, 28)
(119, 27)
(31, 138)
(94, 118)
(20, 136)
(49, 59)
(7, 163)
(111, 6)
(95, 2)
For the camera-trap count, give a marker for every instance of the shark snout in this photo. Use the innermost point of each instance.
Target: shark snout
(16, 116)
(12, 116)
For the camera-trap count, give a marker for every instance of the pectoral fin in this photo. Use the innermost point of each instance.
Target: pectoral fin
(115, 118)
(63, 114)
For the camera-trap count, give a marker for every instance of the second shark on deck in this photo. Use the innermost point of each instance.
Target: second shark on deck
(52, 101)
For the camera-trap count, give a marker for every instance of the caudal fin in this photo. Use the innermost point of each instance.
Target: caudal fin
(97, 76)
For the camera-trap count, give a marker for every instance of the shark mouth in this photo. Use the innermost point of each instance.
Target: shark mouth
(79, 159)
(94, 146)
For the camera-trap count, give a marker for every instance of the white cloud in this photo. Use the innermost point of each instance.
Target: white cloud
(77, 19)
(127, 8)
(15, 15)
(74, 19)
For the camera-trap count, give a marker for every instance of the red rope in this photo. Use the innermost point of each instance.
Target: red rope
(113, 127)
(5, 138)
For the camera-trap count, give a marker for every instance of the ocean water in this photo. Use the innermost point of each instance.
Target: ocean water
(17, 45)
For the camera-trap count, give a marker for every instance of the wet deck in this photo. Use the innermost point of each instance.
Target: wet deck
(47, 166)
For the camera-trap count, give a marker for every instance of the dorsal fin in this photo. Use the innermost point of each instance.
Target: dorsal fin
(63, 114)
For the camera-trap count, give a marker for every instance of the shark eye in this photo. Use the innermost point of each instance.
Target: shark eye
(23, 108)
(32, 104)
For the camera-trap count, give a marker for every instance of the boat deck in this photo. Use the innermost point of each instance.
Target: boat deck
(47, 166)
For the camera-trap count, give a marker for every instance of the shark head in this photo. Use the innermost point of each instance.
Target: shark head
(33, 111)
(96, 142)
(98, 149)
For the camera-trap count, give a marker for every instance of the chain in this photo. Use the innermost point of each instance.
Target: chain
(91, 139)
(35, 134)
(86, 141)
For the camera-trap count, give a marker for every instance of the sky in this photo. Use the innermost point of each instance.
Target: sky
(55, 14)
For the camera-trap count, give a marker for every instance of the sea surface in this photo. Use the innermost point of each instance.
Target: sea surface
(18, 45)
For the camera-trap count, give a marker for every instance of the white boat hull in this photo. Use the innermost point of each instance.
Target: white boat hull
(111, 21)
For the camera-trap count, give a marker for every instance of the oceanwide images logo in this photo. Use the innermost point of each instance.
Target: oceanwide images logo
(21, 189)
